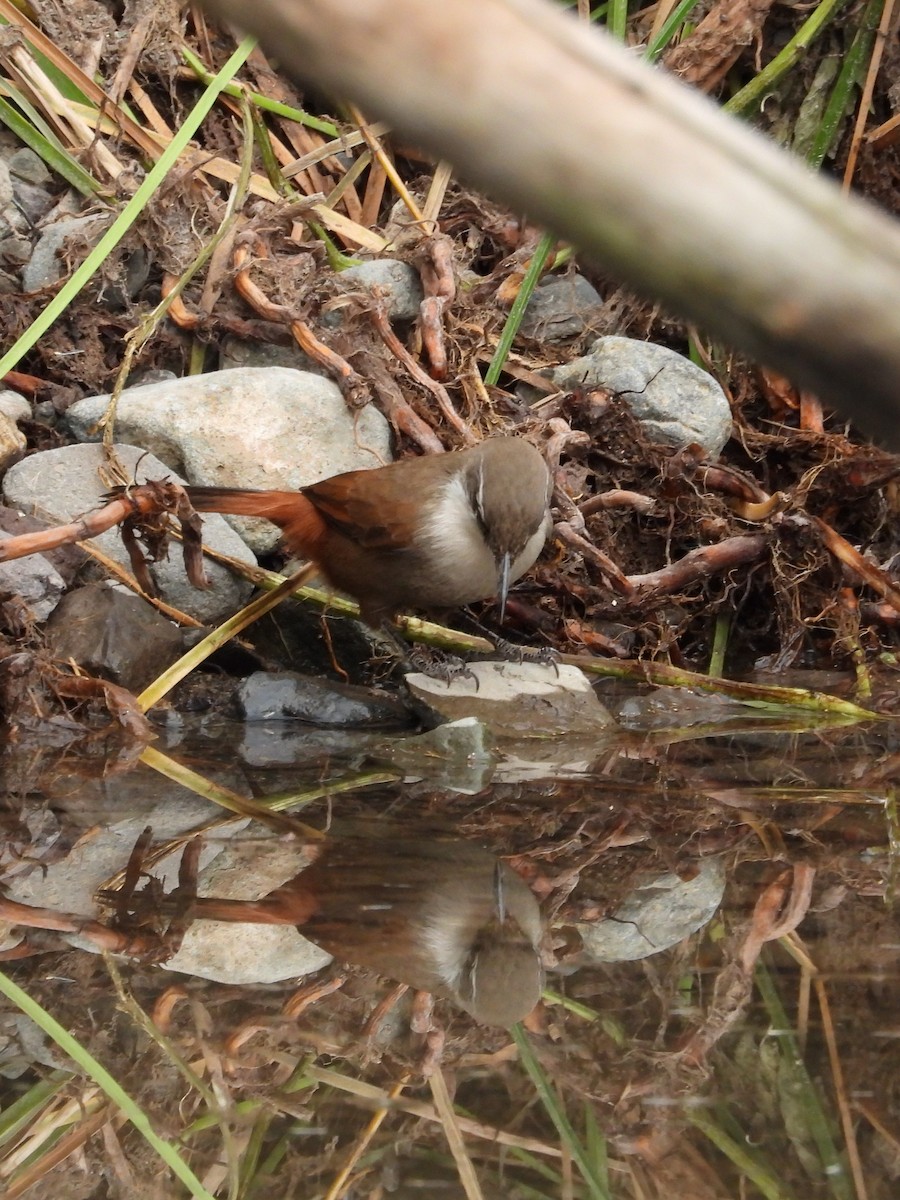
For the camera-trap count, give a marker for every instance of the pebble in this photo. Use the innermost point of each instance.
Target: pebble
(397, 283)
(561, 307)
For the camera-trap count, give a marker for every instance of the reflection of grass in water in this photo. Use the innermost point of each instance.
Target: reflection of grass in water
(589, 1155)
(105, 1082)
(783, 1092)
(263, 1135)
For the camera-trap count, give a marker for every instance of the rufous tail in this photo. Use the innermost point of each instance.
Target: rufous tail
(301, 524)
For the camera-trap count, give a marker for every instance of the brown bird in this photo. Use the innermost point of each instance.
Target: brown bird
(439, 913)
(433, 532)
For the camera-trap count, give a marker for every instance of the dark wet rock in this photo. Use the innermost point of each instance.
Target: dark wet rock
(286, 695)
(397, 284)
(678, 402)
(257, 428)
(113, 634)
(516, 700)
(560, 307)
(658, 914)
(60, 485)
(298, 637)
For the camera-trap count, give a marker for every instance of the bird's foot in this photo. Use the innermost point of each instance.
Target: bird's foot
(510, 652)
(437, 664)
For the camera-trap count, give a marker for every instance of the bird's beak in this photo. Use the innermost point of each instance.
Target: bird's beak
(504, 584)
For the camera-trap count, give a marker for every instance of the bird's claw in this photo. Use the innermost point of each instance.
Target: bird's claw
(544, 656)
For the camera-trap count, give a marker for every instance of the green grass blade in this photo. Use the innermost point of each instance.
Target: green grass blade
(761, 1179)
(258, 100)
(852, 71)
(595, 1146)
(114, 1090)
(673, 22)
(129, 213)
(751, 95)
(21, 1112)
(34, 133)
(514, 320)
(617, 19)
(834, 1171)
(595, 1185)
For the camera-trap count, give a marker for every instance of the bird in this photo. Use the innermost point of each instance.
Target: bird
(433, 533)
(437, 912)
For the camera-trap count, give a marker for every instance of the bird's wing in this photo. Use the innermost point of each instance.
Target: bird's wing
(379, 510)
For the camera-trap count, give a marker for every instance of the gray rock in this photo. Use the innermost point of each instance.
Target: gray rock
(6, 191)
(398, 285)
(516, 700)
(288, 695)
(659, 914)
(14, 406)
(114, 634)
(561, 307)
(228, 953)
(71, 882)
(35, 202)
(258, 428)
(32, 200)
(677, 401)
(28, 166)
(46, 265)
(15, 251)
(60, 485)
(34, 580)
(12, 442)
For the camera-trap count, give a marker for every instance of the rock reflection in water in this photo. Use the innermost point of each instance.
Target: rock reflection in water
(439, 913)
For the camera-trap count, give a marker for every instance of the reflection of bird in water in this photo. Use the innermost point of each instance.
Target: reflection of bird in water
(439, 913)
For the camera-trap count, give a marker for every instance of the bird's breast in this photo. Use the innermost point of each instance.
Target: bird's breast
(460, 565)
